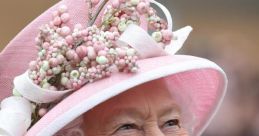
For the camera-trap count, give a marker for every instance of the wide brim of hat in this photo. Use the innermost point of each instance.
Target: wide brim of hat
(200, 82)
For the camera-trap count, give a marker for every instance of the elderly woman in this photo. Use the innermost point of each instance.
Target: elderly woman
(116, 76)
(146, 110)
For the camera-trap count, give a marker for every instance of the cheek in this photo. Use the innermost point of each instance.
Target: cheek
(180, 132)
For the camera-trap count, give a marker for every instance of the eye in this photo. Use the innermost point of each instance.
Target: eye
(172, 123)
(127, 127)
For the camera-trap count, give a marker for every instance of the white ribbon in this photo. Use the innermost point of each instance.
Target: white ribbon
(15, 116)
(139, 39)
(24, 85)
(179, 37)
(146, 46)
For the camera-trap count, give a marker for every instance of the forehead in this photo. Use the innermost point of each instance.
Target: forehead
(150, 96)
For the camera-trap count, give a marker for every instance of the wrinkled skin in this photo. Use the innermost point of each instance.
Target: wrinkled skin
(146, 110)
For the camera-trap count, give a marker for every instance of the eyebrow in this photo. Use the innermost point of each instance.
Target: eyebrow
(124, 115)
(169, 109)
(132, 111)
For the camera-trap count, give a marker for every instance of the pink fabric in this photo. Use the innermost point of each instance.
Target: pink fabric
(22, 49)
(203, 84)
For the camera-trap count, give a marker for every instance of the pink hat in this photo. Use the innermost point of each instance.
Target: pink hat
(72, 68)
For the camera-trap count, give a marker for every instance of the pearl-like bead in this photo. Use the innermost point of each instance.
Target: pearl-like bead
(65, 31)
(102, 53)
(98, 46)
(62, 9)
(134, 70)
(65, 17)
(81, 51)
(131, 52)
(64, 81)
(70, 54)
(57, 21)
(121, 52)
(69, 39)
(45, 45)
(102, 60)
(134, 2)
(74, 74)
(56, 70)
(42, 112)
(122, 63)
(142, 7)
(122, 26)
(91, 52)
(46, 85)
(167, 35)
(95, 2)
(45, 65)
(157, 36)
(33, 65)
(115, 4)
(53, 62)
(78, 26)
(122, 1)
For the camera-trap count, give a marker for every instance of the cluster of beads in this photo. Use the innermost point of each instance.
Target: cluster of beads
(122, 13)
(69, 57)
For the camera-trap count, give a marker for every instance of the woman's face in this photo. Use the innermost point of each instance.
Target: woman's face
(146, 110)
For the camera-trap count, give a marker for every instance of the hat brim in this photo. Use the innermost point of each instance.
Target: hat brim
(199, 80)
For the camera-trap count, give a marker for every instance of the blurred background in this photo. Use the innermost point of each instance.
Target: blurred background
(225, 31)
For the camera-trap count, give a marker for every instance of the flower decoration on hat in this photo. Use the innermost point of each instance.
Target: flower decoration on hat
(71, 57)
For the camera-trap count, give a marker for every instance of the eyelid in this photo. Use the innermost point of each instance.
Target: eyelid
(178, 124)
(169, 117)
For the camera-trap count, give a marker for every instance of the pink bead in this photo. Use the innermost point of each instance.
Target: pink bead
(115, 3)
(90, 38)
(33, 65)
(65, 31)
(69, 39)
(85, 32)
(53, 88)
(102, 53)
(167, 35)
(142, 7)
(70, 54)
(122, 63)
(95, 2)
(65, 17)
(122, 1)
(55, 14)
(45, 45)
(42, 112)
(98, 46)
(111, 36)
(62, 9)
(121, 53)
(53, 62)
(93, 63)
(91, 52)
(89, 43)
(75, 85)
(57, 21)
(81, 51)
(78, 26)
(114, 29)
(76, 58)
